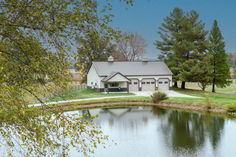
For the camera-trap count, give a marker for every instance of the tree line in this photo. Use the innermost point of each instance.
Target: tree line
(192, 53)
(232, 63)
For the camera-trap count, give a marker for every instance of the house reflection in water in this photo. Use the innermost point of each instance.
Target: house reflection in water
(126, 118)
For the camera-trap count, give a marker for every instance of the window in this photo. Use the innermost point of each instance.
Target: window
(152, 82)
(160, 82)
(95, 84)
(91, 83)
(130, 82)
(166, 82)
(143, 82)
(115, 84)
(135, 82)
(148, 82)
(106, 85)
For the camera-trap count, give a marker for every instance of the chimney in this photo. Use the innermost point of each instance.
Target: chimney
(110, 59)
(144, 59)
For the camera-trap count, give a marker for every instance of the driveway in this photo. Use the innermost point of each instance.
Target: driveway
(169, 93)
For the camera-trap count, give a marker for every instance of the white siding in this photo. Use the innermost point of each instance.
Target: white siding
(93, 78)
(118, 78)
(155, 77)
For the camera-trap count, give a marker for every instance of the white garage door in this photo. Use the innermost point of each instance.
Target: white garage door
(148, 85)
(133, 86)
(163, 84)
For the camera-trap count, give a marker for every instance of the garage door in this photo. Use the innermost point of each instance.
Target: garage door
(133, 86)
(148, 85)
(163, 84)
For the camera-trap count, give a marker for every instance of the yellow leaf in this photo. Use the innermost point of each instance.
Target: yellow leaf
(22, 111)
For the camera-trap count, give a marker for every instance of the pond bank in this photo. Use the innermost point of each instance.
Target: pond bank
(185, 107)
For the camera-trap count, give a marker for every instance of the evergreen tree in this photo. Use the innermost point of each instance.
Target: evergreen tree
(201, 72)
(192, 46)
(221, 71)
(183, 44)
(234, 70)
(168, 31)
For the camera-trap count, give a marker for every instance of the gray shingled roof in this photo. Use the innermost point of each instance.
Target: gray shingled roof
(132, 68)
(111, 75)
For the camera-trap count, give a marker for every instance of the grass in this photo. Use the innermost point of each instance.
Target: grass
(227, 90)
(125, 99)
(224, 97)
(82, 94)
(186, 100)
(215, 98)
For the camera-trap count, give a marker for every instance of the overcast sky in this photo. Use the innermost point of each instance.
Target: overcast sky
(147, 15)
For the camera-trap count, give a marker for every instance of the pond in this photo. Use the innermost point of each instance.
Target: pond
(139, 132)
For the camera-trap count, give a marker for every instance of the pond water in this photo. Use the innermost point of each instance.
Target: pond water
(151, 132)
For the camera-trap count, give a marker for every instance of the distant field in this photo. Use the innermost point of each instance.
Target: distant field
(227, 90)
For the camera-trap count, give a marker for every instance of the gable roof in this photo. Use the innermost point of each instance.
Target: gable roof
(132, 68)
(113, 74)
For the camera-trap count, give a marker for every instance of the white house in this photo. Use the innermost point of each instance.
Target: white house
(129, 76)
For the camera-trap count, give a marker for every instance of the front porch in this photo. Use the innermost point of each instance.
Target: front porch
(116, 87)
(116, 82)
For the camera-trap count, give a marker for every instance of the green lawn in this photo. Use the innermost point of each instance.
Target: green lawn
(219, 99)
(215, 98)
(227, 90)
(82, 94)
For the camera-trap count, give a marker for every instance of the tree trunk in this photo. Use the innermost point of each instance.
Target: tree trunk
(183, 85)
(213, 85)
(176, 84)
(203, 88)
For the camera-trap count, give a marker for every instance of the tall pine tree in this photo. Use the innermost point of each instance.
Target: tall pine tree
(183, 44)
(168, 31)
(192, 46)
(221, 71)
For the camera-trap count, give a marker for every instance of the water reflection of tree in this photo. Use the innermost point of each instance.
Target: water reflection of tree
(215, 129)
(159, 112)
(185, 131)
(46, 133)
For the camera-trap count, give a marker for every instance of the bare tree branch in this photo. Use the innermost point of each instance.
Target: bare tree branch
(132, 46)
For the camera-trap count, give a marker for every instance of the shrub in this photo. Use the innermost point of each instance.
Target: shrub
(158, 96)
(231, 108)
(208, 102)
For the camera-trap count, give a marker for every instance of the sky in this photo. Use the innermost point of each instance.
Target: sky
(146, 16)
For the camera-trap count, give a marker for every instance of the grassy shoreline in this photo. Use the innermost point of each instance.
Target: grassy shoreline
(214, 110)
(207, 101)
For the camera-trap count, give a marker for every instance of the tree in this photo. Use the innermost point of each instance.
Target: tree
(230, 59)
(114, 52)
(183, 44)
(202, 71)
(91, 48)
(221, 72)
(170, 27)
(36, 40)
(132, 46)
(192, 46)
(234, 70)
